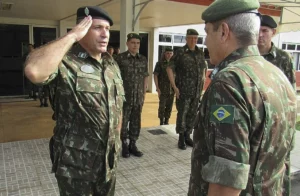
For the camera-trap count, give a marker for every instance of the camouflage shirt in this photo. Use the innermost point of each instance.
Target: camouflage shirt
(283, 61)
(163, 81)
(190, 69)
(88, 104)
(134, 69)
(245, 128)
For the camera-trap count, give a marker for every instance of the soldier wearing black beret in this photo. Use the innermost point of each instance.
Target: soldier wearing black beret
(134, 70)
(245, 126)
(273, 54)
(88, 104)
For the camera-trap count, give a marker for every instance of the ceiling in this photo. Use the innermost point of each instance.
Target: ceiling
(157, 13)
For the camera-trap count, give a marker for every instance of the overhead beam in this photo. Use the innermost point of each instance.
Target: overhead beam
(264, 9)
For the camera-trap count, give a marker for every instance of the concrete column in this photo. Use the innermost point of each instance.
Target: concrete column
(126, 21)
(153, 58)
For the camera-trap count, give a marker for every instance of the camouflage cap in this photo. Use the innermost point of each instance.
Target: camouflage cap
(268, 21)
(133, 36)
(94, 12)
(168, 49)
(221, 9)
(191, 32)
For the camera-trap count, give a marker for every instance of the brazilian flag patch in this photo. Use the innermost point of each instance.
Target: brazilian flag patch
(222, 114)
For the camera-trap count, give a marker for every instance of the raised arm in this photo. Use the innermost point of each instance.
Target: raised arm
(44, 61)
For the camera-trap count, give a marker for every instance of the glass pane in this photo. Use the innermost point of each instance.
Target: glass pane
(14, 43)
(291, 46)
(283, 46)
(165, 38)
(200, 40)
(43, 35)
(298, 47)
(179, 39)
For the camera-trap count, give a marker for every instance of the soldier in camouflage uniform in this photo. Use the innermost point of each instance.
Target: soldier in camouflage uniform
(190, 68)
(273, 54)
(246, 120)
(163, 87)
(88, 104)
(134, 71)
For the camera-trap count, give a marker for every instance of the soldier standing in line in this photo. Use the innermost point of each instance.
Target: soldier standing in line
(134, 70)
(88, 104)
(246, 120)
(190, 70)
(163, 87)
(273, 54)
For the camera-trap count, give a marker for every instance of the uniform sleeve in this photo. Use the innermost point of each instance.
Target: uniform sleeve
(157, 69)
(146, 73)
(227, 130)
(174, 61)
(51, 78)
(290, 71)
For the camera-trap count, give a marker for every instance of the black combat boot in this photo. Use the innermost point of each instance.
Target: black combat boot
(166, 121)
(161, 121)
(181, 142)
(125, 150)
(188, 139)
(134, 150)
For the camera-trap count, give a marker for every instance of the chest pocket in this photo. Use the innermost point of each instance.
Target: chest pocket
(88, 83)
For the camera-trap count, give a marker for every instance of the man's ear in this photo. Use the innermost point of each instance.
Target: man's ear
(274, 32)
(224, 31)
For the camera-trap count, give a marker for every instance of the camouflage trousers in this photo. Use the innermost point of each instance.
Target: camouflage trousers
(186, 115)
(77, 187)
(165, 105)
(131, 124)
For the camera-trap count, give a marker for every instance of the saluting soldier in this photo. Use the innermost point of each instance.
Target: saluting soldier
(88, 101)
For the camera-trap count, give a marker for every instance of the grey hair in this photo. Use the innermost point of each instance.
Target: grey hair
(244, 26)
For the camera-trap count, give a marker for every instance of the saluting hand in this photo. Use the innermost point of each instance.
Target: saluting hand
(81, 29)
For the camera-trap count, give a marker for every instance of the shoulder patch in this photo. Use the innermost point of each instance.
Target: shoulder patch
(222, 114)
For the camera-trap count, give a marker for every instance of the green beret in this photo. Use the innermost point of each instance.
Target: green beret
(191, 32)
(133, 36)
(168, 49)
(221, 9)
(268, 21)
(94, 12)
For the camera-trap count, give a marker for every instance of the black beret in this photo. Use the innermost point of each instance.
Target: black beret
(221, 9)
(191, 32)
(168, 49)
(94, 12)
(133, 36)
(268, 21)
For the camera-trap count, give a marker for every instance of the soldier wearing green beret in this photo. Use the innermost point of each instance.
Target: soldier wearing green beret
(246, 120)
(87, 95)
(271, 53)
(163, 87)
(134, 70)
(189, 66)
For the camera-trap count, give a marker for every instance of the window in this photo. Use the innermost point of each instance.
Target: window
(283, 46)
(298, 47)
(179, 39)
(291, 47)
(165, 38)
(200, 40)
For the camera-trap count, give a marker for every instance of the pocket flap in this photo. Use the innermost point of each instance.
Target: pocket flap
(90, 76)
(81, 143)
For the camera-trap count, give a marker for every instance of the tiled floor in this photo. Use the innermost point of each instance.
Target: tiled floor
(162, 171)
